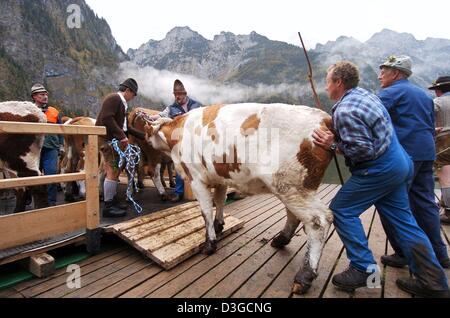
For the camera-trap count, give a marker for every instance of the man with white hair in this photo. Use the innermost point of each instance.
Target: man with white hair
(412, 113)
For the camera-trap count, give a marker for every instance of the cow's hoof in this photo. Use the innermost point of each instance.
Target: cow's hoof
(210, 247)
(140, 185)
(300, 289)
(303, 280)
(218, 226)
(280, 241)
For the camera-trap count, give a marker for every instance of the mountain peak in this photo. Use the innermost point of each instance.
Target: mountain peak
(182, 33)
(342, 43)
(388, 35)
(256, 36)
(224, 36)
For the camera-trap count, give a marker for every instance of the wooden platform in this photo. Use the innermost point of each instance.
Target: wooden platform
(171, 236)
(148, 198)
(245, 264)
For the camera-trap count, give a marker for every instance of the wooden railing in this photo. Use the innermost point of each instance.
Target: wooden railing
(23, 228)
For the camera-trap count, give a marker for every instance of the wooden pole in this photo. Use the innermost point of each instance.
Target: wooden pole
(93, 231)
(41, 180)
(20, 128)
(310, 75)
(317, 100)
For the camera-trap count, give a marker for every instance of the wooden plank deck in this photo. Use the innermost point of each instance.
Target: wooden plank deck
(244, 266)
(171, 236)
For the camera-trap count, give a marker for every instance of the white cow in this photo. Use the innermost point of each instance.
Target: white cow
(254, 148)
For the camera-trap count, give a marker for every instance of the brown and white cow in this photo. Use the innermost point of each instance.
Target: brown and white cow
(151, 159)
(73, 159)
(20, 154)
(254, 148)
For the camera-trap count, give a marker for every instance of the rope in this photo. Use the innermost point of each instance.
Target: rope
(131, 156)
(144, 116)
(442, 151)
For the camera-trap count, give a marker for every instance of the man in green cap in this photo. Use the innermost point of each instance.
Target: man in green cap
(412, 113)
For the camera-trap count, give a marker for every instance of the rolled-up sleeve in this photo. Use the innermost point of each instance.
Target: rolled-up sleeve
(165, 113)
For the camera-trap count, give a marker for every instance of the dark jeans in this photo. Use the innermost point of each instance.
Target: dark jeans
(49, 164)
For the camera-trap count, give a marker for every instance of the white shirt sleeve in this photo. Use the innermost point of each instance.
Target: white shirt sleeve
(165, 113)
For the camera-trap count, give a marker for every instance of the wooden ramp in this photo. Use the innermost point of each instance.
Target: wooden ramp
(171, 236)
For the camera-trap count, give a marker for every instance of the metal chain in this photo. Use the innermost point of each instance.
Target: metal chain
(131, 156)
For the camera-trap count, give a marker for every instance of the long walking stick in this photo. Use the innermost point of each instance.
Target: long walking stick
(317, 100)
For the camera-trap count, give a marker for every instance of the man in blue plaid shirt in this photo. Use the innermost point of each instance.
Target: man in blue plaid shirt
(381, 170)
(363, 131)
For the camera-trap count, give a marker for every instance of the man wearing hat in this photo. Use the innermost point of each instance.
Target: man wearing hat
(381, 170)
(412, 113)
(442, 111)
(113, 116)
(52, 143)
(183, 104)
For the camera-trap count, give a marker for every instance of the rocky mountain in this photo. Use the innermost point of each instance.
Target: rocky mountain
(81, 65)
(253, 59)
(430, 56)
(39, 43)
(246, 59)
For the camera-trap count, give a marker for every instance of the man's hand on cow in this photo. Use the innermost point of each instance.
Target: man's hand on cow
(438, 130)
(124, 143)
(323, 138)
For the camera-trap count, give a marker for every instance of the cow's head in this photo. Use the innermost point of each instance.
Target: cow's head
(156, 137)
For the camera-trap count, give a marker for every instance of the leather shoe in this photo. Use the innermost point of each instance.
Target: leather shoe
(394, 260)
(350, 279)
(414, 287)
(119, 204)
(112, 211)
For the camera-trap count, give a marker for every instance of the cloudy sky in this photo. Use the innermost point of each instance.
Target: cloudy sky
(134, 22)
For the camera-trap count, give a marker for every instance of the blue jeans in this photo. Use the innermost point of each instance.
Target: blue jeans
(49, 164)
(424, 209)
(179, 185)
(384, 183)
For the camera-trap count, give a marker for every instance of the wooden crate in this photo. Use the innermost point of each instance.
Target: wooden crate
(171, 236)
